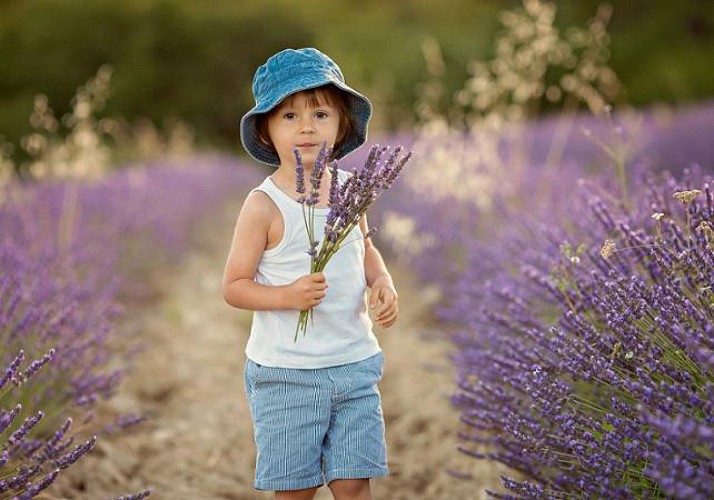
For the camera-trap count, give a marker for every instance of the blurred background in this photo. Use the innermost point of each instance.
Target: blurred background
(190, 62)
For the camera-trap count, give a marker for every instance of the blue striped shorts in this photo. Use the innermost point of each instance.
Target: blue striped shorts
(312, 426)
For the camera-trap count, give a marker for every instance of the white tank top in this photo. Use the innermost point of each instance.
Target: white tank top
(341, 330)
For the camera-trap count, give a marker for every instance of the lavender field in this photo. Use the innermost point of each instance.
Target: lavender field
(552, 245)
(559, 314)
(555, 273)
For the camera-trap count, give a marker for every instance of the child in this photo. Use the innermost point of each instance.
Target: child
(315, 406)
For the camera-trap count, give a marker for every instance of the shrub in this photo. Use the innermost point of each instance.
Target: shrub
(69, 250)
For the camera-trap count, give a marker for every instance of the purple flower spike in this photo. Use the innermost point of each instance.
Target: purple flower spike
(7, 418)
(17, 436)
(299, 173)
(12, 369)
(36, 488)
(318, 168)
(334, 185)
(126, 421)
(36, 365)
(69, 458)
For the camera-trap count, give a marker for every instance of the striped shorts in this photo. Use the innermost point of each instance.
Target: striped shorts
(312, 426)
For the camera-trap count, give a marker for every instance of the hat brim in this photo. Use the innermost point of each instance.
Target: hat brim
(360, 108)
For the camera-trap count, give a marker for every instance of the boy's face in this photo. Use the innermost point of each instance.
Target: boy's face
(305, 122)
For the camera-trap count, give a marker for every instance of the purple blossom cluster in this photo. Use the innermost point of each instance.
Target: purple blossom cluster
(71, 254)
(583, 322)
(565, 362)
(348, 202)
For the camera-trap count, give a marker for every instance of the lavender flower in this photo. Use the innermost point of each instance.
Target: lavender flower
(71, 457)
(17, 436)
(299, 175)
(36, 365)
(34, 489)
(54, 446)
(347, 204)
(7, 418)
(12, 369)
(124, 422)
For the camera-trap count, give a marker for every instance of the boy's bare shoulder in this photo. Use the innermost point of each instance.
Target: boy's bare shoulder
(258, 206)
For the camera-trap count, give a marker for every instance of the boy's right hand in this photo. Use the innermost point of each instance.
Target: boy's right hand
(307, 292)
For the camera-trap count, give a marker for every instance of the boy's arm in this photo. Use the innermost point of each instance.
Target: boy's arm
(383, 297)
(249, 242)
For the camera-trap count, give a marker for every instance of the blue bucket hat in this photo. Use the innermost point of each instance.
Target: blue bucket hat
(291, 71)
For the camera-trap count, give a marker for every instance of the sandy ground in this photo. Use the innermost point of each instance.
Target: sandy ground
(198, 443)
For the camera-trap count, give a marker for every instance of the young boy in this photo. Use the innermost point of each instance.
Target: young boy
(315, 405)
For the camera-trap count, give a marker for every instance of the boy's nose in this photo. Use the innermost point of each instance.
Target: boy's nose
(307, 125)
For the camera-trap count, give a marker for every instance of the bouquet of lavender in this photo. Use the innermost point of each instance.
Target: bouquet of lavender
(347, 202)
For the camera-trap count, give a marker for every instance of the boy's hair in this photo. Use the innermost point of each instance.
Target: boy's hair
(327, 93)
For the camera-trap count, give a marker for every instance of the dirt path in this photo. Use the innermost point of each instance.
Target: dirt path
(197, 443)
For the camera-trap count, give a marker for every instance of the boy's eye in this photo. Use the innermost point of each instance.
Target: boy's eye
(321, 114)
(289, 115)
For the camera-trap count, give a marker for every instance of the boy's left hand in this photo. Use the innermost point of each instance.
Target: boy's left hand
(384, 302)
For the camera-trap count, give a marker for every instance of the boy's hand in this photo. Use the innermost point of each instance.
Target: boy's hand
(384, 302)
(307, 292)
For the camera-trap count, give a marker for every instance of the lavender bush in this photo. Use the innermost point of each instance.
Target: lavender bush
(69, 251)
(583, 319)
(575, 361)
(578, 295)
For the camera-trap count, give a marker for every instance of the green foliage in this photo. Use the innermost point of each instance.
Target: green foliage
(194, 59)
(168, 62)
(660, 50)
